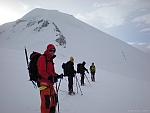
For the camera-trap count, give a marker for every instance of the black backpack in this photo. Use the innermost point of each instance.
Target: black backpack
(80, 68)
(65, 68)
(32, 67)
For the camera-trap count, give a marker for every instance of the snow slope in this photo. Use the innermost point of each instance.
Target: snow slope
(122, 77)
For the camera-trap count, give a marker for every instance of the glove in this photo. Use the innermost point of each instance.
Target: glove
(75, 71)
(53, 78)
(60, 76)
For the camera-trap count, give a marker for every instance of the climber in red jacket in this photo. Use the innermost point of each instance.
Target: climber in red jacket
(48, 77)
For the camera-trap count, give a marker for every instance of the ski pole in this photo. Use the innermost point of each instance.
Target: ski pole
(59, 84)
(88, 80)
(76, 85)
(57, 96)
(79, 86)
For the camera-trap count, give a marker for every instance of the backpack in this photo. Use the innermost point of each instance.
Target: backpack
(80, 68)
(32, 67)
(65, 68)
(92, 68)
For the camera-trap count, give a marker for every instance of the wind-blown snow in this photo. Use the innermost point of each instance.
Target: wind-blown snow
(122, 77)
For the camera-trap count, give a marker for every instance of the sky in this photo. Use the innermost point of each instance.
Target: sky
(127, 20)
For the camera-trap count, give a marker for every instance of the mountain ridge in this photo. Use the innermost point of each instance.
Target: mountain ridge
(71, 36)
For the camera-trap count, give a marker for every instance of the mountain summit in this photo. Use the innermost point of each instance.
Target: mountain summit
(39, 14)
(73, 37)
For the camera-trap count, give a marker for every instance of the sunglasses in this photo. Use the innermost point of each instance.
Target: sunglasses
(52, 50)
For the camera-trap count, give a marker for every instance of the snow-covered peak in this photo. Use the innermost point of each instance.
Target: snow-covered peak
(39, 13)
(73, 37)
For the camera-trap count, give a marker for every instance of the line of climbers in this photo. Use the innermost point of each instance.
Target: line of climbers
(69, 71)
(42, 71)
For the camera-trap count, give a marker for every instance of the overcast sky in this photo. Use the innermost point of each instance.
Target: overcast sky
(127, 20)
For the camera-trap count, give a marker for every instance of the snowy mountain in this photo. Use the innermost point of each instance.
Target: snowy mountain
(122, 77)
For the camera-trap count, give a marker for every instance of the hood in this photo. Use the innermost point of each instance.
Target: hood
(49, 47)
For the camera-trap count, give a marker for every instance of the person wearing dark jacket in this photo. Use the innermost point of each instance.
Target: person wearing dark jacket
(46, 81)
(82, 72)
(71, 73)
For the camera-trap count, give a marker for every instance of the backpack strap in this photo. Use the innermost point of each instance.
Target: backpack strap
(46, 68)
(45, 60)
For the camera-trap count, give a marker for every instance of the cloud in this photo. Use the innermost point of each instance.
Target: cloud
(24, 6)
(9, 15)
(84, 18)
(143, 10)
(136, 43)
(12, 10)
(145, 47)
(145, 30)
(144, 18)
(143, 21)
(105, 13)
(148, 47)
(116, 13)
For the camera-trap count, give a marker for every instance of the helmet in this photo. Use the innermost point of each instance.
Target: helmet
(71, 58)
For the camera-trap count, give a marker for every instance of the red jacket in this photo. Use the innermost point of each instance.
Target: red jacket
(46, 67)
